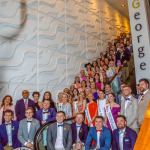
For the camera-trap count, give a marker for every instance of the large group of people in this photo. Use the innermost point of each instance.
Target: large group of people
(107, 113)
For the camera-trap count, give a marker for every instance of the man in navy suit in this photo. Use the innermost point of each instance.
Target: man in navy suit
(100, 135)
(124, 138)
(9, 131)
(23, 104)
(46, 114)
(79, 131)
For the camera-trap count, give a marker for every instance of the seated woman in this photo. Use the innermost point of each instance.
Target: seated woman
(7, 103)
(79, 105)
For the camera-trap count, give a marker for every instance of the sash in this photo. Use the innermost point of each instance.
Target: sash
(88, 115)
(76, 106)
(100, 109)
(110, 118)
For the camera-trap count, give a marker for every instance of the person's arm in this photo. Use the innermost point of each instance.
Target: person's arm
(50, 145)
(134, 113)
(52, 116)
(114, 143)
(17, 111)
(85, 133)
(20, 134)
(69, 139)
(88, 141)
(133, 139)
(107, 141)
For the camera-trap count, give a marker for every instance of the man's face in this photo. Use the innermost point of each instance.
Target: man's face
(46, 104)
(25, 94)
(60, 117)
(121, 123)
(107, 88)
(29, 113)
(126, 91)
(98, 123)
(8, 117)
(79, 119)
(143, 86)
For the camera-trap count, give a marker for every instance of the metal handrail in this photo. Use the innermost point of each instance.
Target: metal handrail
(41, 129)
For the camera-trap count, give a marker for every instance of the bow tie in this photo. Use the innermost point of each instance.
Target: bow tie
(60, 125)
(127, 99)
(45, 112)
(78, 126)
(28, 121)
(99, 130)
(8, 124)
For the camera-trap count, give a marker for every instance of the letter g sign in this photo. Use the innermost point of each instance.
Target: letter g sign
(136, 3)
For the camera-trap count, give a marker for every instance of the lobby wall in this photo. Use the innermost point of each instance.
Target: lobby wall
(45, 43)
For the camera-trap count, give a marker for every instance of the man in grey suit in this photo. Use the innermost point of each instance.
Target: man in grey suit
(59, 135)
(28, 128)
(143, 100)
(129, 108)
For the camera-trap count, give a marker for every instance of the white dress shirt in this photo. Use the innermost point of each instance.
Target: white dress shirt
(126, 104)
(98, 140)
(26, 103)
(45, 115)
(121, 136)
(9, 133)
(59, 139)
(78, 131)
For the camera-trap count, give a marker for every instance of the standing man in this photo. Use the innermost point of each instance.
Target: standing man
(9, 131)
(23, 104)
(28, 128)
(143, 100)
(59, 135)
(124, 138)
(129, 108)
(79, 132)
(100, 134)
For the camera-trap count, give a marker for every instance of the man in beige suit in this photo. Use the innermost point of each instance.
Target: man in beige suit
(129, 108)
(143, 100)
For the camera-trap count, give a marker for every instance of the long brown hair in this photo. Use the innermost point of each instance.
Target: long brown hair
(11, 100)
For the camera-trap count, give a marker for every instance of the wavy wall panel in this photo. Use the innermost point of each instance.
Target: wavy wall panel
(44, 43)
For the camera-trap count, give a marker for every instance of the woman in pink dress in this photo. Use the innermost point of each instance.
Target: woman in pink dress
(7, 103)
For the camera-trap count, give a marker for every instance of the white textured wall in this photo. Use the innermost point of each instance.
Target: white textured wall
(44, 43)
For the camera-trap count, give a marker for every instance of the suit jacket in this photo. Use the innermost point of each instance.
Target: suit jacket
(105, 138)
(82, 133)
(52, 135)
(128, 140)
(131, 112)
(1, 147)
(142, 107)
(51, 114)
(20, 108)
(4, 136)
(23, 134)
